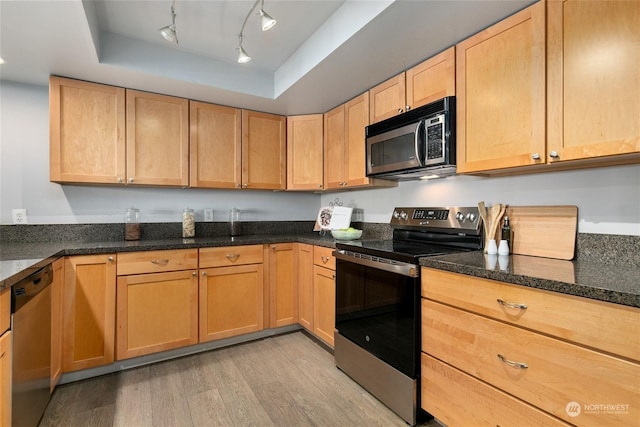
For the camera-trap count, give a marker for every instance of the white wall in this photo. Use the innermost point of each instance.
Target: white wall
(608, 199)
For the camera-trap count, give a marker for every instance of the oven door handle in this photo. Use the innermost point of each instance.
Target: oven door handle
(402, 268)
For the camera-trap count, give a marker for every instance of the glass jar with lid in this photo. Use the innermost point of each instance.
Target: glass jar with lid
(132, 224)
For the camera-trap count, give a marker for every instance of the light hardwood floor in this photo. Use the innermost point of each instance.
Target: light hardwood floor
(287, 380)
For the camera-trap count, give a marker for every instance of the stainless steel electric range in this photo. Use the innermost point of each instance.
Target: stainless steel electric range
(378, 338)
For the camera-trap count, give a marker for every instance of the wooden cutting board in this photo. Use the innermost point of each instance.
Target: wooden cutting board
(544, 231)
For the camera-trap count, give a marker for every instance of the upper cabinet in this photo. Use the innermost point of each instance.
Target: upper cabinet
(264, 153)
(501, 94)
(344, 146)
(428, 81)
(157, 139)
(215, 146)
(87, 132)
(561, 94)
(304, 152)
(593, 71)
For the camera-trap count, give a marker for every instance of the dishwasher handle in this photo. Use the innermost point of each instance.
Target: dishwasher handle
(27, 288)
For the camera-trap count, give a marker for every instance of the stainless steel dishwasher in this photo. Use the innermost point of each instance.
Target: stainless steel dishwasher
(31, 330)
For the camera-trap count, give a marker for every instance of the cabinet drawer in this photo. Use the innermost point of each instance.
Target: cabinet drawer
(458, 399)
(231, 255)
(157, 261)
(557, 372)
(5, 310)
(324, 257)
(604, 326)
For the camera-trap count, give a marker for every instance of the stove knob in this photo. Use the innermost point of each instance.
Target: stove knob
(471, 217)
(403, 215)
(460, 216)
(396, 215)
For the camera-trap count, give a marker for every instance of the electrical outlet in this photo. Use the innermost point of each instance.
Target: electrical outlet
(19, 216)
(208, 215)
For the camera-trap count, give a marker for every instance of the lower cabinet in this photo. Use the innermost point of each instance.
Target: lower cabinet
(231, 291)
(305, 285)
(324, 294)
(56, 321)
(283, 292)
(89, 296)
(5, 358)
(156, 312)
(231, 301)
(495, 352)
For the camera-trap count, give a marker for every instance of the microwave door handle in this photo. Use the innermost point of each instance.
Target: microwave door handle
(417, 142)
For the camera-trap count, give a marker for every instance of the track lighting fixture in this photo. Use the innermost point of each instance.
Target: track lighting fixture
(169, 32)
(267, 22)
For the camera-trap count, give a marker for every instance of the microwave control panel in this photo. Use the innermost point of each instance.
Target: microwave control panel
(435, 139)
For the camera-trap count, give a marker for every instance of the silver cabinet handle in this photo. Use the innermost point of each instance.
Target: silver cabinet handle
(512, 363)
(400, 110)
(245, 185)
(130, 180)
(110, 259)
(512, 304)
(204, 273)
(160, 261)
(554, 155)
(535, 156)
(120, 180)
(325, 259)
(194, 274)
(232, 257)
(407, 107)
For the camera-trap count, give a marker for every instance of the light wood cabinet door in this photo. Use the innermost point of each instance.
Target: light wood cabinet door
(593, 90)
(89, 311)
(387, 99)
(432, 79)
(215, 146)
(324, 302)
(87, 132)
(356, 117)
(305, 285)
(5, 379)
(231, 301)
(283, 289)
(500, 82)
(5, 310)
(304, 152)
(56, 321)
(156, 312)
(264, 152)
(157, 139)
(334, 149)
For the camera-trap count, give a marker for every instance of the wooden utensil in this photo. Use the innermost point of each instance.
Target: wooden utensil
(483, 214)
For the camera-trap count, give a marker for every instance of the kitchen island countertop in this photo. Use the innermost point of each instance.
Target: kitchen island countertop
(614, 283)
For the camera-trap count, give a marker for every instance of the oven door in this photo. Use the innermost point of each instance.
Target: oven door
(379, 310)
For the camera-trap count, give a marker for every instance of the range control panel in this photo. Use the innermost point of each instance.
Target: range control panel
(462, 218)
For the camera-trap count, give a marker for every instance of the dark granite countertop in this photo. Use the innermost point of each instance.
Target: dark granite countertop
(19, 260)
(608, 282)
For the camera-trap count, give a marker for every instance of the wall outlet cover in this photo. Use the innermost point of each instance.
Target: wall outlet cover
(19, 216)
(208, 215)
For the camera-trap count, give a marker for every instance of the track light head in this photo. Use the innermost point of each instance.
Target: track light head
(169, 31)
(267, 21)
(242, 54)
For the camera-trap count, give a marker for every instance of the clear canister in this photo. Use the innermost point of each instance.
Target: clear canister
(235, 228)
(188, 223)
(132, 224)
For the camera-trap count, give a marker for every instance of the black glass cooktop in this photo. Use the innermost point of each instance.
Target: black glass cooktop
(396, 250)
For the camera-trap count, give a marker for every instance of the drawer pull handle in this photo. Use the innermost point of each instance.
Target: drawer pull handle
(160, 261)
(512, 363)
(325, 259)
(232, 257)
(512, 304)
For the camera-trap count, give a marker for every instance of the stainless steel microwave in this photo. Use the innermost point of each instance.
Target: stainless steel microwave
(417, 144)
